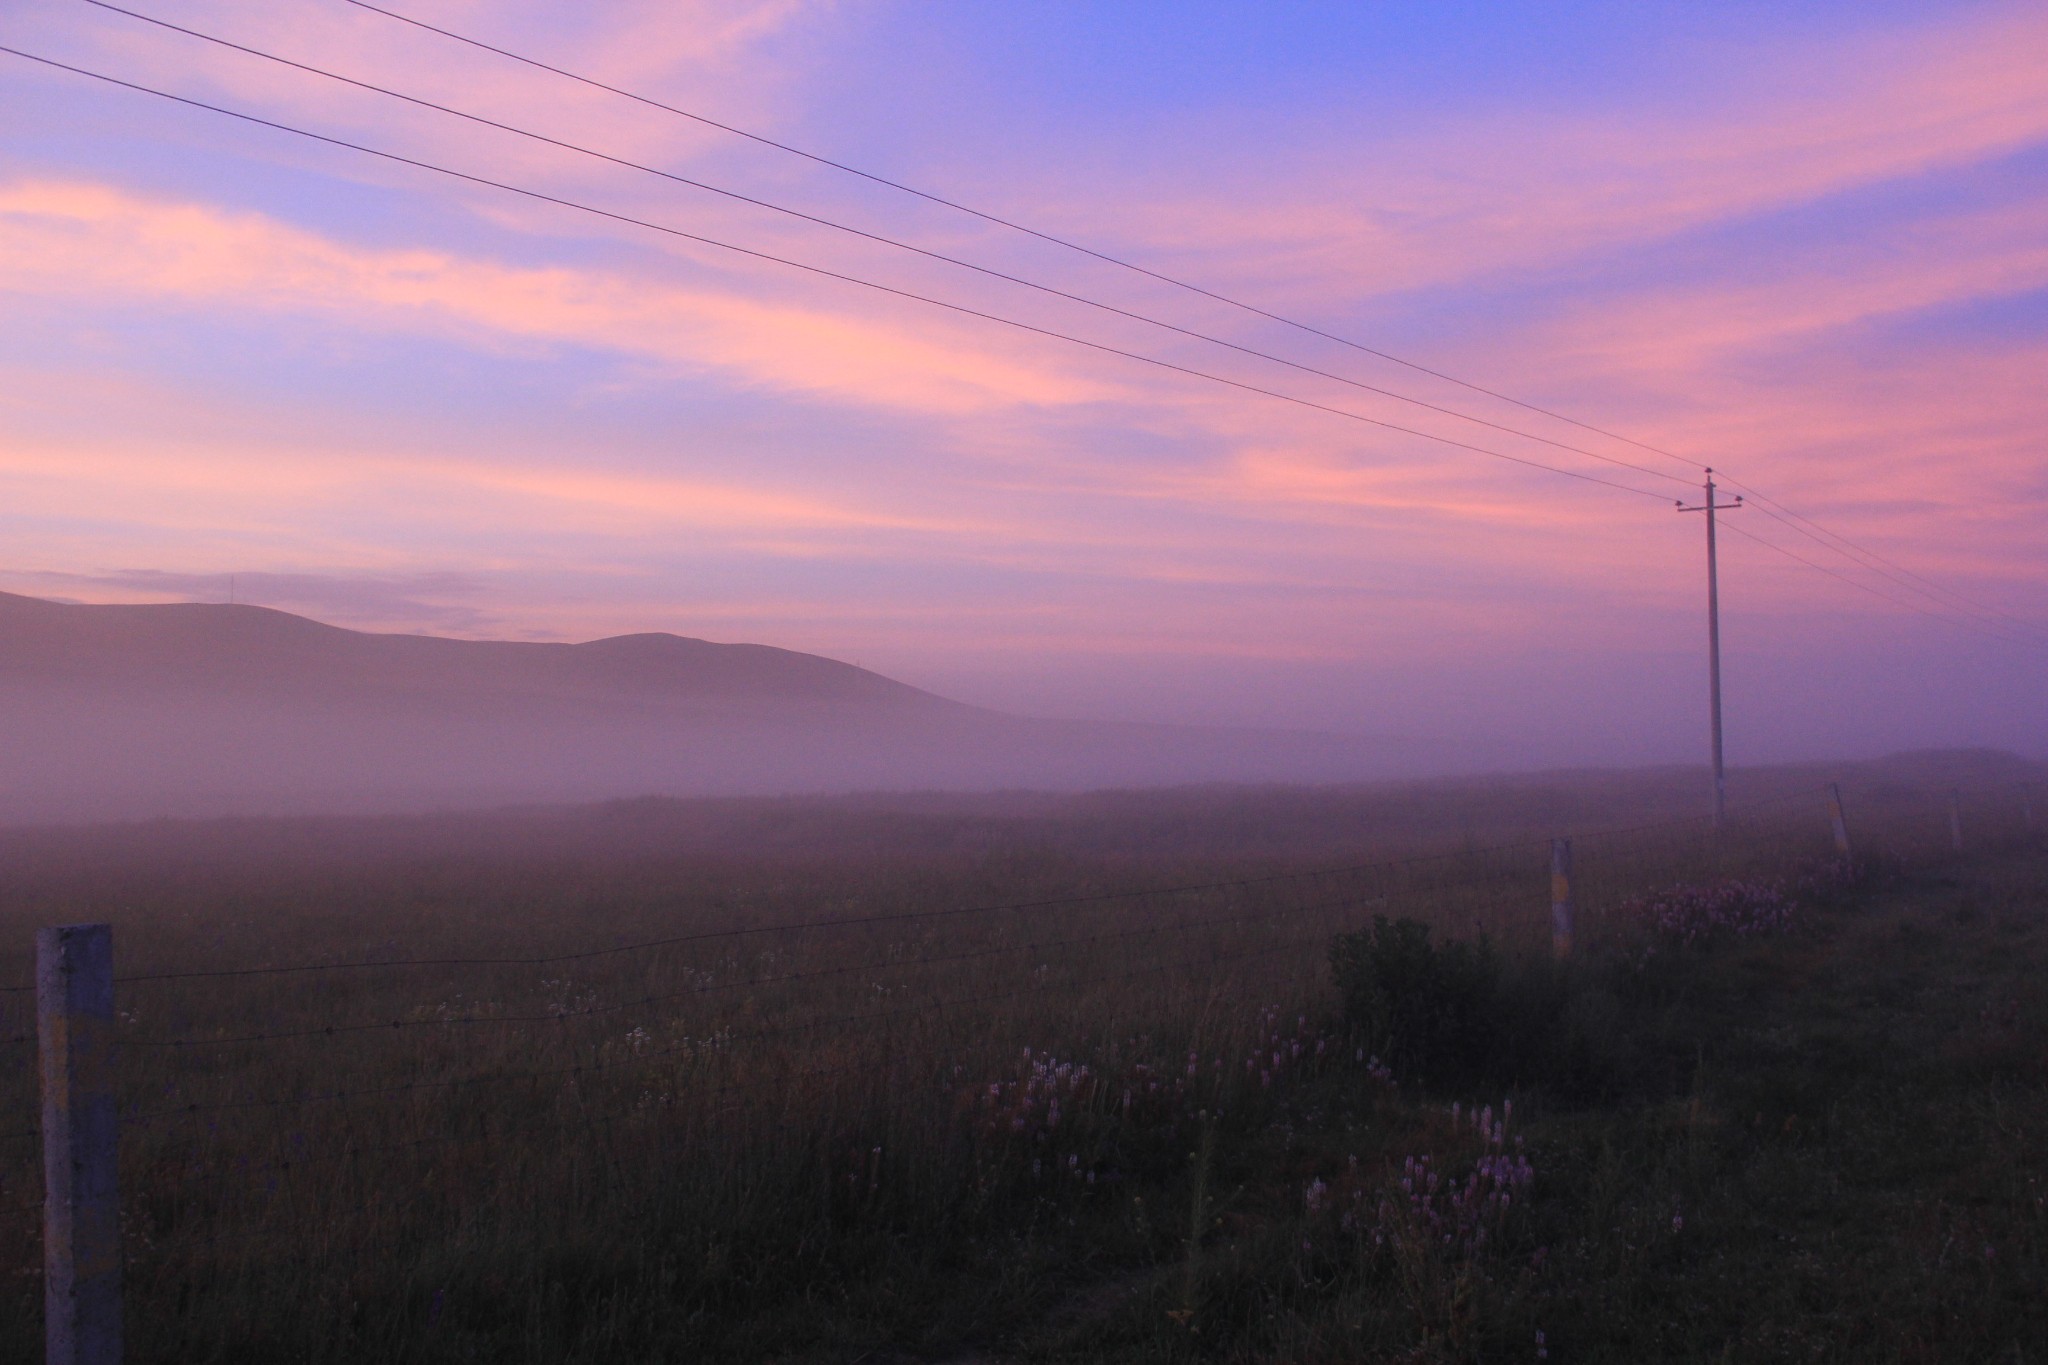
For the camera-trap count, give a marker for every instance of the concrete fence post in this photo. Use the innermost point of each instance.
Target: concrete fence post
(81, 1207)
(1561, 908)
(1835, 815)
(1955, 820)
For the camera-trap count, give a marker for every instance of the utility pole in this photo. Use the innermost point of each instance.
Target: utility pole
(1714, 643)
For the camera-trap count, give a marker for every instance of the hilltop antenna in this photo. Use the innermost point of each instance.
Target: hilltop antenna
(1714, 644)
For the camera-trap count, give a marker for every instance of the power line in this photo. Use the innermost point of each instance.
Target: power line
(1950, 617)
(1014, 226)
(1852, 551)
(1970, 613)
(1872, 560)
(1126, 264)
(825, 273)
(884, 240)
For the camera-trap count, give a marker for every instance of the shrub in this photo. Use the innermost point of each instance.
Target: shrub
(1427, 1008)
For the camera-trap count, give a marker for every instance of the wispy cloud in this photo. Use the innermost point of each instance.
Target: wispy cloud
(581, 428)
(84, 241)
(1458, 197)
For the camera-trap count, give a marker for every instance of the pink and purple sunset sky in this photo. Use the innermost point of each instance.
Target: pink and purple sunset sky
(1805, 244)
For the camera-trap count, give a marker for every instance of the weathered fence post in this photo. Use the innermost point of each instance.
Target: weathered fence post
(1835, 814)
(81, 1209)
(1561, 909)
(1955, 819)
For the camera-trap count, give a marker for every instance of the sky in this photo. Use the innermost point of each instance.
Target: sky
(1806, 245)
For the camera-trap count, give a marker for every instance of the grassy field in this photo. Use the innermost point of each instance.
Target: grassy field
(1027, 1077)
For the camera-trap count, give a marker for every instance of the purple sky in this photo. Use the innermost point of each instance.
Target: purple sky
(1809, 248)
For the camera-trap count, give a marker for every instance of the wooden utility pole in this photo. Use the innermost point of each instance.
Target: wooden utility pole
(1710, 507)
(81, 1208)
(1562, 906)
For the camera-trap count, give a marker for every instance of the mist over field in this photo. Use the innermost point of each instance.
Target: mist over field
(1094, 1076)
(796, 683)
(123, 712)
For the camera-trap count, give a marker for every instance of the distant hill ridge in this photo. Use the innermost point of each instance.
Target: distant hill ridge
(228, 649)
(123, 712)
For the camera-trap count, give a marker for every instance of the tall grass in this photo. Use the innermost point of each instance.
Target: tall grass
(889, 1054)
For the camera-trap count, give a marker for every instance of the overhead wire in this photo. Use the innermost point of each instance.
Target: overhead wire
(1876, 563)
(1872, 560)
(1124, 263)
(1845, 548)
(1014, 226)
(826, 273)
(1949, 617)
(884, 240)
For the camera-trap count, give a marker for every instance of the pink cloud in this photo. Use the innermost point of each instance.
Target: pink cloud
(94, 241)
(1033, 502)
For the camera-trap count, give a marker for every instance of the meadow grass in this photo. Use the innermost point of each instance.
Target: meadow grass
(1126, 1119)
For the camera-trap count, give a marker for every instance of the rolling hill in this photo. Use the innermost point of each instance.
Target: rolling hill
(147, 710)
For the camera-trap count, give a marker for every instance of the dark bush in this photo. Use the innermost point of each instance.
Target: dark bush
(1426, 1009)
(1454, 1013)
